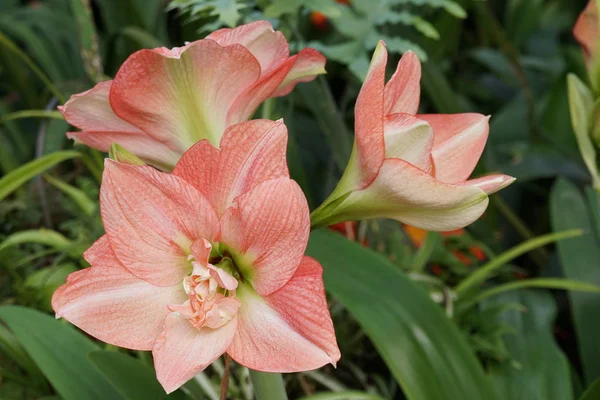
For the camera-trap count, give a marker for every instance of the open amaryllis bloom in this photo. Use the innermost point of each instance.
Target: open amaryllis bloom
(207, 260)
(163, 101)
(412, 168)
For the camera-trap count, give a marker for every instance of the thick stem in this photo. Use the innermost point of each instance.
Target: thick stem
(268, 386)
(225, 379)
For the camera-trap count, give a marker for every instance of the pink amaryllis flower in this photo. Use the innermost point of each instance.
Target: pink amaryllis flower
(586, 31)
(205, 261)
(412, 168)
(163, 101)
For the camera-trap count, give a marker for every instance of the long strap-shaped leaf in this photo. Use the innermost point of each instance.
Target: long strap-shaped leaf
(14, 179)
(423, 349)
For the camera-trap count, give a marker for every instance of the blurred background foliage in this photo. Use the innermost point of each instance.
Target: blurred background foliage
(470, 314)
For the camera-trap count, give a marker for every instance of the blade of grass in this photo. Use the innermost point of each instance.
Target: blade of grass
(546, 283)
(488, 269)
(9, 44)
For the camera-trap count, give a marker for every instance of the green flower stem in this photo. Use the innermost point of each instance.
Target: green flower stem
(268, 386)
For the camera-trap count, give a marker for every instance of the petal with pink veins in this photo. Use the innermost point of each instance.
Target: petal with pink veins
(90, 111)
(182, 351)
(403, 91)
(409, 139)
(222, 175)
(222, 312)
(248, 101)
(111, 304)
(184, 97)
(267, 228)
(288, 331)
(268, 46)
(459, 140)
(223, 278)
(369, 139)
(307, 65)
(201, 249)
(403, 192)
(491, 183)
(151, 219)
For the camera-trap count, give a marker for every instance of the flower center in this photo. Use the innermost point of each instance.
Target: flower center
(210, 288)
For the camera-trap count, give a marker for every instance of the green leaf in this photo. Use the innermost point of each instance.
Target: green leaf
(43, 236)
(13, 48)
(268, 386)
(487, 270)
(581, 105)
(348, 395)
(61, 353)
(579, 259)
(15, 178)
(141, 37)
(592, 392)
(132, 379)
(539, 370)
(423, 349)
(45, 281)
(88, 38)
(547, 283)
(31, 114)
(87, 205)
(454, 9)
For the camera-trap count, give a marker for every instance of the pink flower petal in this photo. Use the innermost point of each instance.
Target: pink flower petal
(409, 139)
(222, 175)
(182, 351)
(405, 193)
(307, 65)
(111, 304)
(181, 99)
(268, 46)
(222, 312)
(288, 331)
(268, 228)
(586, 30)
(303, 305)
(91, 112)
(223, 278)
(491, 183)
(403, 91)
(369, 141)
(458, 144)
(151, 219)
(247, 102)
(201, 251)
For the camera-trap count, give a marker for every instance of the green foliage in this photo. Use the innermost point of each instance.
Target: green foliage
(132, 379)
(579, 258)
(512, 59)
(426, 354)
(221, 12)
(14, 179)
(60, 352)
(536, 368)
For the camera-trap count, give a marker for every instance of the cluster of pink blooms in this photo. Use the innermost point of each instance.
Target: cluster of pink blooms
(204, 247)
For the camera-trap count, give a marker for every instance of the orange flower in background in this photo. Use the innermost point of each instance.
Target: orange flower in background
(163, 101)
(417, 237)
(320, 20)
(205, 261)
